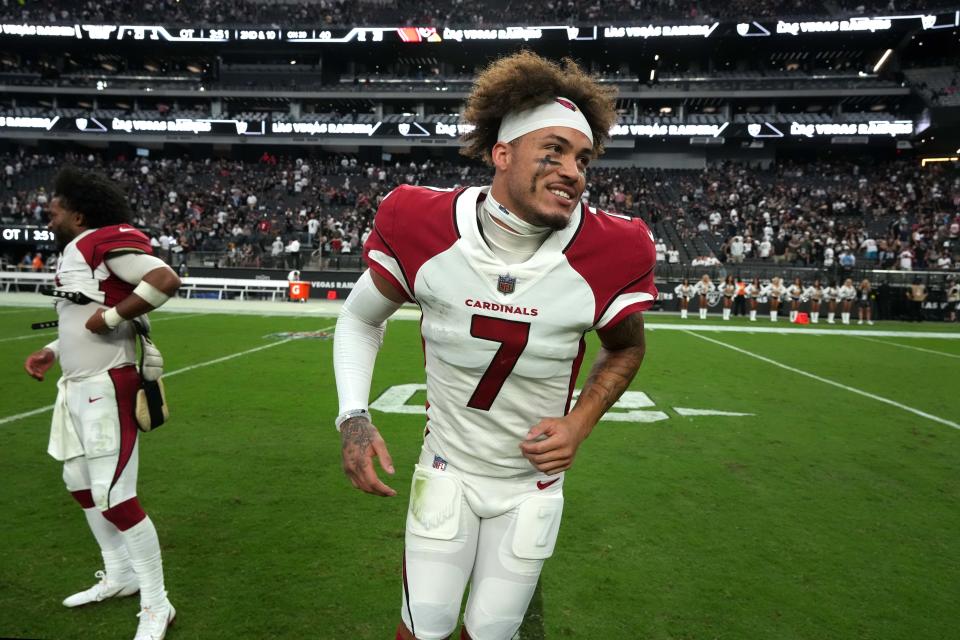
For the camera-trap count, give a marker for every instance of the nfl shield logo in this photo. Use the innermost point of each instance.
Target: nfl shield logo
(506, 284)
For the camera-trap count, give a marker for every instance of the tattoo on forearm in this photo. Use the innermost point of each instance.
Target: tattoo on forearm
(617, 363)
(611, 374)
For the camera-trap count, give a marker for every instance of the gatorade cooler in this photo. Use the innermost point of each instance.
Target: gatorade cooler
(803, 318)
(299, 291)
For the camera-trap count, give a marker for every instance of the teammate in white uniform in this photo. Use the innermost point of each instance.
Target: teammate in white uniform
(846, 294)
(775, 292)
(754, 291)
(795, 291)
(684, 291)
(509, 278)
(814, 293)
(94, 431)
(830, 294)
(703, 288)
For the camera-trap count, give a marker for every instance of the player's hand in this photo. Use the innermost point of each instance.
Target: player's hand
(39, 362)
(96, 323)
(551, 444)
(361, 442)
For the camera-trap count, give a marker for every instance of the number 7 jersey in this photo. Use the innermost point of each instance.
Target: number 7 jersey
(503, 343)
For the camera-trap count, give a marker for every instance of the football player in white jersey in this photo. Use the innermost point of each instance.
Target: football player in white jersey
(814, 293)
(846, 294)
(728, 289)
(684, 291)
(94, 430)
(795, 291)
(754, 291)
(703, 288)
(775, 292)
(509, 278)
(830, 294)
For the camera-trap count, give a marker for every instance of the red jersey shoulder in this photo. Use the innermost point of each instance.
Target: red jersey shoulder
(615, 245)
(96, 245)
(412, 221)
(412, 205)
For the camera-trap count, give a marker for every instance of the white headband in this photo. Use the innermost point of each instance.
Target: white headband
(560, 112)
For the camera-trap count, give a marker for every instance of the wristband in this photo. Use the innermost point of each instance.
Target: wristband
(112, 318)
(353, 413)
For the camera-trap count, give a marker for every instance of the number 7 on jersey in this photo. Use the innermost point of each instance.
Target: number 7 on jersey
(512, 336)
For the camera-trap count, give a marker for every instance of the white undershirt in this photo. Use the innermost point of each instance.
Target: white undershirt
(511, 239)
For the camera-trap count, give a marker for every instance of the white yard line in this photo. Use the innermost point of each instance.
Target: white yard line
(171, 316)
(27, 414)
(907, 346)
(786, 328)
(801, 372)
(29, 335)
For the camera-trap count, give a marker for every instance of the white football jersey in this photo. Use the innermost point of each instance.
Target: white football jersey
(83, 268)
(503, 344)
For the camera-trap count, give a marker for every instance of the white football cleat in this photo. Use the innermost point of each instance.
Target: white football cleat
(104, 589)
(154, 621)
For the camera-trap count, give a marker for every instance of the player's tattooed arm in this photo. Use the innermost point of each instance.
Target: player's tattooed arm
(360, 442)
(614, 368)
(552, 444)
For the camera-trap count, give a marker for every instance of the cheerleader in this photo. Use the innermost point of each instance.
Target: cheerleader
(684, 292)
(754, 291)
(814, 293)
(703, 288)
(953, 299)
(728, 289)
(775, 291)
(795, 291)
(864, 304)
(847, 293)
(830, 294)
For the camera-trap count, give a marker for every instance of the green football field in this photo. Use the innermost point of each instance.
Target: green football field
(750, 485)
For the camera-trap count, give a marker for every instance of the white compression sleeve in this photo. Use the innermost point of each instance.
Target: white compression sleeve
(357, 340)
(131, 267)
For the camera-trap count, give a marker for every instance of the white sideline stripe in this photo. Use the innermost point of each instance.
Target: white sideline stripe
(53, 333)
(27, 414)
(807, 331)
(907, 346)
(866, 394)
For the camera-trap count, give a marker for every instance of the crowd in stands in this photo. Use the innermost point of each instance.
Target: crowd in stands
(827, 215)
(471, 13)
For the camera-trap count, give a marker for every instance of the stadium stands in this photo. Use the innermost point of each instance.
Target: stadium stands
(229, 213)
